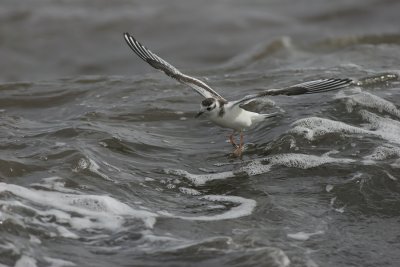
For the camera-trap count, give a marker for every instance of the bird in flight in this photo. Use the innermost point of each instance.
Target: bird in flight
(231, 114)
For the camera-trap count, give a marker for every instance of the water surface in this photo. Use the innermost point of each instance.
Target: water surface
(103, 164)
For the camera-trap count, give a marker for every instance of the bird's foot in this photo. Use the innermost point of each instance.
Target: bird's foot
(238, 151)
(232, 141)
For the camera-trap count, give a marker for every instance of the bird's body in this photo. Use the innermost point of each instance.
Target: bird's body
(231, 114)
(236, 118)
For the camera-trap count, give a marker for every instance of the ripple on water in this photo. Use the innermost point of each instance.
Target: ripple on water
(225, 251)
(114, 135)
(244, 207)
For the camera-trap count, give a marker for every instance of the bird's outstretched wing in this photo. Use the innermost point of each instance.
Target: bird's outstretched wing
(311, 87)
(160, 64)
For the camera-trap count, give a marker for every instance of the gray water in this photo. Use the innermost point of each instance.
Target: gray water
(103, 164)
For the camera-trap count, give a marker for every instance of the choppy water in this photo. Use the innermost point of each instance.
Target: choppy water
(113, 170)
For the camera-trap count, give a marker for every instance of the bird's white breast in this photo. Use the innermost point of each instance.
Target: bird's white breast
(234, 117)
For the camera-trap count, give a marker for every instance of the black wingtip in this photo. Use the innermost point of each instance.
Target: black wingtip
(351, 81)
(347, 81)
(126, 35)
(130, 39)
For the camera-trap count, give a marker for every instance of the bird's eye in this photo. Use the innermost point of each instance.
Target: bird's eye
(208, 109)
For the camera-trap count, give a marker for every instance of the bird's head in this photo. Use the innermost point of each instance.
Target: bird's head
(208, 106)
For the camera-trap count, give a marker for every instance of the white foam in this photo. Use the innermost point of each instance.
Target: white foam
(255, 167)
(365, 99)
(313, 127)
(291, 160)
(245, 208)
(384, 152)
(189, 191)
(171, 186)
(385, 128)
(302, 236)
(200, 179)
(260, 166)
(95, 211)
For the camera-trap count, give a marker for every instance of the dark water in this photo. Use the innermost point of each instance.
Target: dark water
(103, 164)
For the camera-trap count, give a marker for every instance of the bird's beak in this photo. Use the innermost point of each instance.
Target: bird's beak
(199, 114)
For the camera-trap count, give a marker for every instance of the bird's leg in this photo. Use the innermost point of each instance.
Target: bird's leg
(239, 149)
(241, 139)
(232, 141)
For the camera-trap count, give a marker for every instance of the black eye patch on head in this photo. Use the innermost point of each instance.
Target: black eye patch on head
(207, 102)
